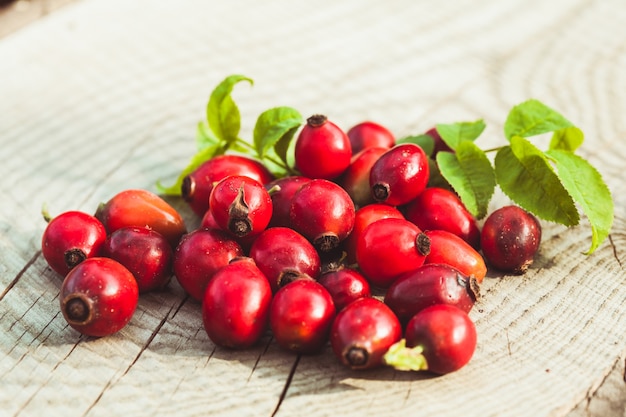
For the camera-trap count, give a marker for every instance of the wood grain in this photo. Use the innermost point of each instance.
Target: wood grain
(104, 95)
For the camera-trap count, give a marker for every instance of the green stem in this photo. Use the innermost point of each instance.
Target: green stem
(497, 148)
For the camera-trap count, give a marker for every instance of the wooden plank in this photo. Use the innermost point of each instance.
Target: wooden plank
(96, 99)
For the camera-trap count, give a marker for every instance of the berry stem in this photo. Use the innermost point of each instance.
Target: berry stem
(403, 358)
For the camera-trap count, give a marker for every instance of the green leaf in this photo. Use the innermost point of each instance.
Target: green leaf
(585, 185)
(469, 172)
(531, 118)
(222, 113)
(526, 176)
(426, 142)
(205, 136)
(276, 127)
(567, 139)
(197, 160)
(455, 133)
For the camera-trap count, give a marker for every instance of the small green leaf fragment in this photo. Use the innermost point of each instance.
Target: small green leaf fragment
(531, 118)
(276, 127)
(426, 142)
(567, 139)
(403, 358)
(585, 185)
(205, 136)
(222, 113)
(525, 175)
(470, 173)
(197, 160)
(455, 133)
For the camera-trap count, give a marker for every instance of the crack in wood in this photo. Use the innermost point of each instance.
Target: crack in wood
(19, 275)
(258, 359)
(619, 262)
(283, 394)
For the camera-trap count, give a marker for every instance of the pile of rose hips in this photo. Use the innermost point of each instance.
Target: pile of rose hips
(357, 250)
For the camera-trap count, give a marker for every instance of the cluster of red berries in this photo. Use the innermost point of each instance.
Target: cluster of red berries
(356, 250)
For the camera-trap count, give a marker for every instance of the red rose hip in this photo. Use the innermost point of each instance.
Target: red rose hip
(235, 305)
(449, 249)
(362, 332)
(99, 297)
(322, 149)
(70, 238)
(345, 285)
(510, 239)
(370, 134)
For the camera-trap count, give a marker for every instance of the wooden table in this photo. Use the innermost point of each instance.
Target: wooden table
(104, 95)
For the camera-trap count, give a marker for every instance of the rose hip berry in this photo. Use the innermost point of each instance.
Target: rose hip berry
(363, 217)
(283, 254)
(449, 249)
(281, 191)
(399, 175)
(322, 149)
(356, 178)
(322, 212)
(301, 315)
(440, 339)
(440, 209)
(145, 253)
(345, 285)
(510, 239)
(390, 247)
(196, 187)
(200, 254)
(369, 134)
(362, 332)
(235, 305)
(99, 297)
(428, 285)
(241, 205)
(142, 208)
(70, 238)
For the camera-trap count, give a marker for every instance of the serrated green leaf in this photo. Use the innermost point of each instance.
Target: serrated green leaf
(531, 118)
(197, 160)
(276, 128)
(585, 185)
(525, 175)
(426, 142)
(455, 133)
(469, 172)
(567, 139)
(222, 113)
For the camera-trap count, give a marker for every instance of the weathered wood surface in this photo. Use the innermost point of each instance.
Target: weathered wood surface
(104, 95)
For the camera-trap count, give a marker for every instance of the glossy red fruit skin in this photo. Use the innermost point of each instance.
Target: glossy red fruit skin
(200, 254)
(441, 209)
(345, 285)
(142, 208)
(370, 134)
(447, 336)
(301, 315)
(363, 332)
(356, 178)
(449, 249)
(390, 247)
(429, 285)
(196, 187)
(281, 191)
(322, 149)
(241, 205)
(282, 254)
(145, 253)
(322, 212)
(98, 297)
(363, 217)
(70, 238)
(208, 221)
(510, 239)
(236, 305)
(399, 175)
